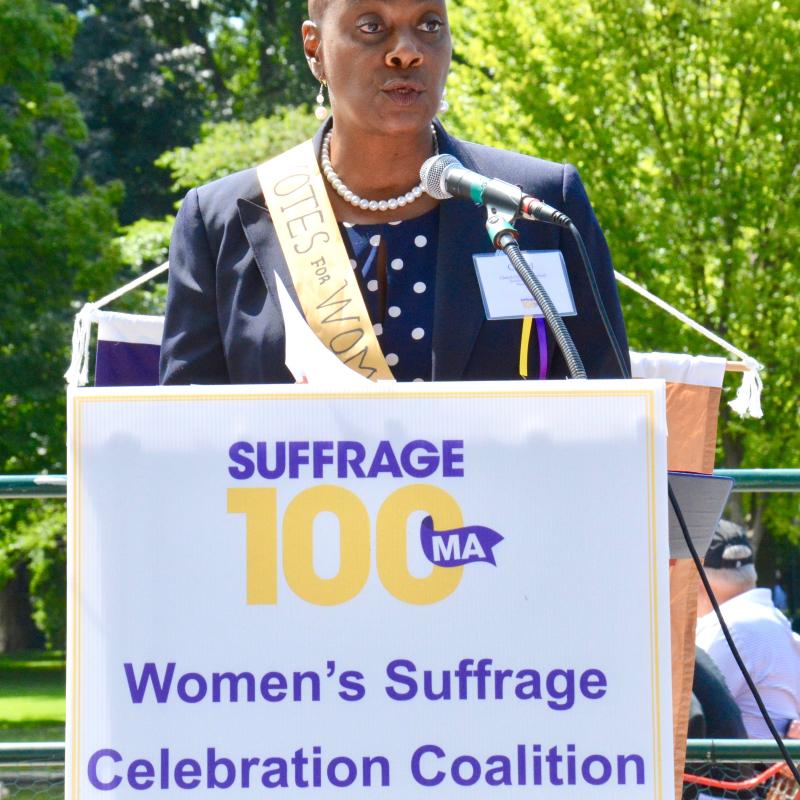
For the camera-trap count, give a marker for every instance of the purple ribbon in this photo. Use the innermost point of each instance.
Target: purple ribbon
(458, 546)
(541, 335)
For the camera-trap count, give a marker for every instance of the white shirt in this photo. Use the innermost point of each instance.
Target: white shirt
(769, 650)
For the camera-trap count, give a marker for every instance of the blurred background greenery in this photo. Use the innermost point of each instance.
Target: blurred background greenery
(682, 115)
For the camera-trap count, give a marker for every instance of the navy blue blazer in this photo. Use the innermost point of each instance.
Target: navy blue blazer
(223, 322)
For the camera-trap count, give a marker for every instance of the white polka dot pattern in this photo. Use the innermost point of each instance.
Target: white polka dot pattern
(399, 294)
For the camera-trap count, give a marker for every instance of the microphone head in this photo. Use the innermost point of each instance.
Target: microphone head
(432, 173)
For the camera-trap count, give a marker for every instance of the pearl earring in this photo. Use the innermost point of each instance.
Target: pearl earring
(443, 104)
(320, 112)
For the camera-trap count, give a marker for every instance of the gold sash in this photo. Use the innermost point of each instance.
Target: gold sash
(294, 190)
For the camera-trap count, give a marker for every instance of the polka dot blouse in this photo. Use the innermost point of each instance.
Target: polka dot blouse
(401, 308)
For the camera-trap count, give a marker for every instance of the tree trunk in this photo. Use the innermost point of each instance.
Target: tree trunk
(265, 22)
(17, 631)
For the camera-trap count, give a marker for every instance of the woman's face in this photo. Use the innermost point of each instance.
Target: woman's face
(385, 61)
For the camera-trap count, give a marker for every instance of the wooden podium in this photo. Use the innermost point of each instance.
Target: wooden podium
(692, 413)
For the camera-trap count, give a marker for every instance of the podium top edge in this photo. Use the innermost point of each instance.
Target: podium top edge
(564, 388)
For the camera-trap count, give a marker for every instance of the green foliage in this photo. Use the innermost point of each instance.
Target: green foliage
(55, 233)
(56, 244)
(148, 73)
(225, 147)
(32, 707)
(38, 540)
(146, 242)
(684, 118)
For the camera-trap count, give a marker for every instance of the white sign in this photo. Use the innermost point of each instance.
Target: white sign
(504, 294)
(455, 590)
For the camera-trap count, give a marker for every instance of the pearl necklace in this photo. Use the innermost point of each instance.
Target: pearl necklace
(359, 202)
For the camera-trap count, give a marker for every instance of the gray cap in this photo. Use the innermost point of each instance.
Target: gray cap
(730, 548)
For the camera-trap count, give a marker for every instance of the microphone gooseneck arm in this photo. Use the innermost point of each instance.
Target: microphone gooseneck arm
(443, 176)
(507, 242)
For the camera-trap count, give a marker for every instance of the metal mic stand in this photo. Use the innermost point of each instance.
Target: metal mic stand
(503, 234)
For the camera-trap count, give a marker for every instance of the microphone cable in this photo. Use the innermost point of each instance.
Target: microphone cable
(598, 300)
(563, 221)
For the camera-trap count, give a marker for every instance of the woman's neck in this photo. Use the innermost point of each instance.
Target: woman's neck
(379, 167)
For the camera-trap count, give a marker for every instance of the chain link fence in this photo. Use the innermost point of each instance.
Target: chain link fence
(739, 782)
(29, 771)
(738, 770)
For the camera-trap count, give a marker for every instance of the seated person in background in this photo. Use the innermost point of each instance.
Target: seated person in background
(714, 713)
(763, 636)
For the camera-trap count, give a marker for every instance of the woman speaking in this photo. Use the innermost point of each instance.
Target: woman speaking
(382, 272)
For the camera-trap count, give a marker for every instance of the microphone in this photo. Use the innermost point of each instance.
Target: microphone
(444, 176)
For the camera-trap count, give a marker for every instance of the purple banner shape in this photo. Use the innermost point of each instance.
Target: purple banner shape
(458, 546)
(126, 364)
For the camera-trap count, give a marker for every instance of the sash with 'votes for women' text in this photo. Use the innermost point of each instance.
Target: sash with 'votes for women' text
(312, 245)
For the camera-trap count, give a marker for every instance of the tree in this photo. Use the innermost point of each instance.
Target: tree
(684, 117)
(148, 73)
(223, 148)
(56, 243)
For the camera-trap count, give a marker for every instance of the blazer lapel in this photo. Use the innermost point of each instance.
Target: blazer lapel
(263, 241)
(458, 311)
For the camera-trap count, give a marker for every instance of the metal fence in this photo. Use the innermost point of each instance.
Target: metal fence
(34, 770)
(21, 487)
(744, 769)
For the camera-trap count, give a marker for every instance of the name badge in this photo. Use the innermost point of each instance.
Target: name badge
(504, 294)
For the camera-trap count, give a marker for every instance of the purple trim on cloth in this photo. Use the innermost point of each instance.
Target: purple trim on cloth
(541, 334)
(126, 364)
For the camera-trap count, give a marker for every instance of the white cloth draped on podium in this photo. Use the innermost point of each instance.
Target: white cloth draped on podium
(128, 347)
